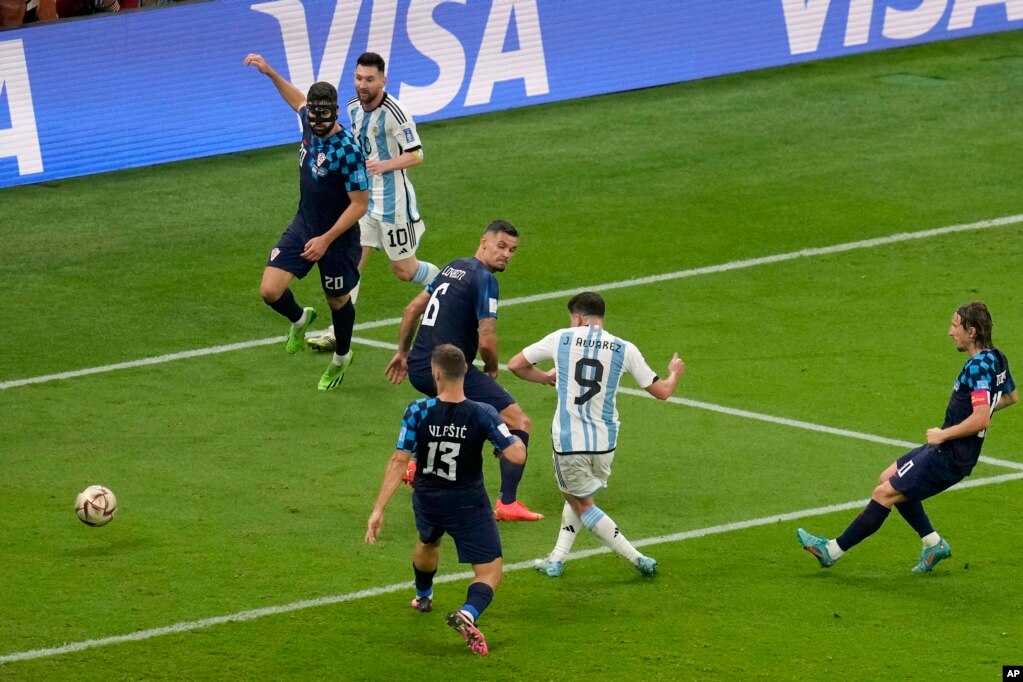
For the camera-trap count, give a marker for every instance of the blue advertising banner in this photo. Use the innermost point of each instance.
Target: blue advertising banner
(145, 87)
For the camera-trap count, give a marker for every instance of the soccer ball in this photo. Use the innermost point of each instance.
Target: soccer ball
(96, 505)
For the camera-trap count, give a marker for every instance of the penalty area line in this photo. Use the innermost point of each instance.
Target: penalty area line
(253, 614)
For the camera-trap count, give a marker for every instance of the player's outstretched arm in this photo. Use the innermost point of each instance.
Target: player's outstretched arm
(523, 369)
(392, 481)
(292, 95)
(662, 389)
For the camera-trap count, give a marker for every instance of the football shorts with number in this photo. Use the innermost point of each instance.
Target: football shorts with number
(339, 266)
(465, 515)
(398, 241)
(924, 472)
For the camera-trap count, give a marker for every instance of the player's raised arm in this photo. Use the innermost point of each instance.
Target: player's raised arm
(292, 95)
(662, 389)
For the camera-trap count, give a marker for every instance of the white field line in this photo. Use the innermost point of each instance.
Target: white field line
(242, 616)
(807, 426)
(607, 286)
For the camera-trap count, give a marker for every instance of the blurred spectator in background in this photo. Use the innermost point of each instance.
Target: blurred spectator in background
(81, 8)
(18, 12)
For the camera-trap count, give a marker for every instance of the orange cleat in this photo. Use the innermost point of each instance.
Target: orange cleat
(516, 511)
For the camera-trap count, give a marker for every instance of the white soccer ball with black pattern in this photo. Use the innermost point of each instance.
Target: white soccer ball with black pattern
(96, 505)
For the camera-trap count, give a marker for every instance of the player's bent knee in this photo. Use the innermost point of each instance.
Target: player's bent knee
(269, 294)
(338, 302)
(489, 573)
(886, 495)
(579, 505)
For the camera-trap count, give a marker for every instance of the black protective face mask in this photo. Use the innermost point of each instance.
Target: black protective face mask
(322, 115)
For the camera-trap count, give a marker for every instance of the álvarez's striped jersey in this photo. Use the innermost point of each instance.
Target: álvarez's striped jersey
(590, 362)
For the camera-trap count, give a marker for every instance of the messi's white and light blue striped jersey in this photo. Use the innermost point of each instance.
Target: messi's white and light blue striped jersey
(590, 362)
(386, 133)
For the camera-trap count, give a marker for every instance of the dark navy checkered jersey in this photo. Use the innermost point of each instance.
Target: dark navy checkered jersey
(329, 168)
(447, 439)
(462, 294)
(983, 380)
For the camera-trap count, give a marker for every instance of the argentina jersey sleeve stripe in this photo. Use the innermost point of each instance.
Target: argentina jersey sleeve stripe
(564, 419)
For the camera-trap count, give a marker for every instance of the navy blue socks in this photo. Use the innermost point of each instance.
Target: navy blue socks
(511, 474)
(287, 306)
(864, 525)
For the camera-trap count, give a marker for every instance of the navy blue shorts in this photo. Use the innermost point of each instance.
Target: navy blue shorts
(924, 472)
(478, 386)
(465, 515)
(339, 267)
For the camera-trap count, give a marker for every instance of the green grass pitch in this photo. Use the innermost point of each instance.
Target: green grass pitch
(237, 551)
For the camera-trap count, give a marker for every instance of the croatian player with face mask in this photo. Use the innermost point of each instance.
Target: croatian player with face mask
(325, 231)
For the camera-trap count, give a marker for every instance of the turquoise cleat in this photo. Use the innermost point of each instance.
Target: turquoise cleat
(816, 546)
(553, 569)
(930, 556)
(646, 565)
(296, 335)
